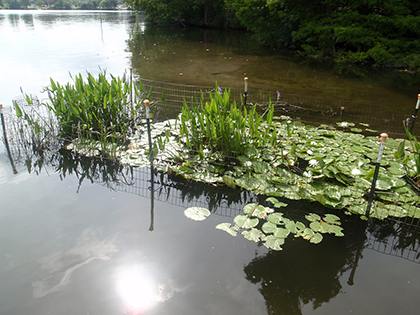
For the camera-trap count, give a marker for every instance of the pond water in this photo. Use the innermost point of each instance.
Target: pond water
(77, 237)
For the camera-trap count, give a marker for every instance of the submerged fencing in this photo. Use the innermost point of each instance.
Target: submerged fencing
(306, 109)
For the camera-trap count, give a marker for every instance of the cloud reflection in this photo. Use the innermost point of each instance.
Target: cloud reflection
(61, 265)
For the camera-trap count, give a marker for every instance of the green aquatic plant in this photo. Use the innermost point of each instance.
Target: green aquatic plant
(196, 213)
(271, 228)
(95, 108)
(220, 126)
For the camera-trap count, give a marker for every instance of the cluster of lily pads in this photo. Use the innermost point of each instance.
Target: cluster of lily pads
(325, 164)
(263, 225)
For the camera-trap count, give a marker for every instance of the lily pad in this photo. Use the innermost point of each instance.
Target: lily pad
(245, 222)
(253, 234)
(196, 213)
(269, 227)
(276, 203)
(275, 218)
(229, 228)
(273, 242)
(312, 217)
(281, 233)
(331, 219)
(316, 238)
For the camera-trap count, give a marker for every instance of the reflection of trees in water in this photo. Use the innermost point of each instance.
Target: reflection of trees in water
(397, 238)
(305, 273)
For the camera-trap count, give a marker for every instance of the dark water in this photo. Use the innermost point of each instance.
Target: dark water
(77, 237)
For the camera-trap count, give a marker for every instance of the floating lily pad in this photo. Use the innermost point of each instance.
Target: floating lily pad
(316, 238)
(196, 213)
(281, 233)
(275, 218)
(276, 203)
(312, 217)
(253, 235)
(273, 242)
(229, 228)
(269, 227)
(331, 219)
(245, 222)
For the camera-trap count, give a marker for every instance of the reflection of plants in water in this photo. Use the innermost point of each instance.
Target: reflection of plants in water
(262, 225)
(106, 171)
(152, 43)
(214, 196)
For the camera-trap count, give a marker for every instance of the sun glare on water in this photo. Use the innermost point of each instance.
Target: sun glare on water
(138, 291)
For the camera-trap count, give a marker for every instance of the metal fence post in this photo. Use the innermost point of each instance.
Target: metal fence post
(146, 104)
(415, 113)
(131, 85)
(246, 90)
(375, 174)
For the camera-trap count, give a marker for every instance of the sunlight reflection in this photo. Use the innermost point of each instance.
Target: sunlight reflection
(137, 289)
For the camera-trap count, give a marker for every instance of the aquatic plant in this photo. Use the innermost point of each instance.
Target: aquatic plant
(95, 108)
(196, 213)
(271, 228)
(220, 126)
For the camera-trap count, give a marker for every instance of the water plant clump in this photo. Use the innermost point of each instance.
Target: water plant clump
(220, 126)
(95, 109)
(271, 228)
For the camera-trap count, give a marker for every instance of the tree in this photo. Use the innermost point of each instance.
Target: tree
(90, 5)
(108, 4)
(62, 5)
(380, 33)
(12, 4)
(204, 13)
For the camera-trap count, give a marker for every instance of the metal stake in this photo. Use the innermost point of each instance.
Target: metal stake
(246, 89)
(375, 174)
(131, 85)
(415, 113)
(146, 104)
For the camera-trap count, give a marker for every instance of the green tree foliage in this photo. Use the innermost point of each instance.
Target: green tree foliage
(108, 4)
(370, 32)
(186, 12)
(89, 4)
(12, 4)
(378, 33)
(62, 5)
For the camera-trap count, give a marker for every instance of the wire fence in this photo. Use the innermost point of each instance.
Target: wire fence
(306, 109)
(226, 202)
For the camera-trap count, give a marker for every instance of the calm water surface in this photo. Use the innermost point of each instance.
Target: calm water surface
(84, 248)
